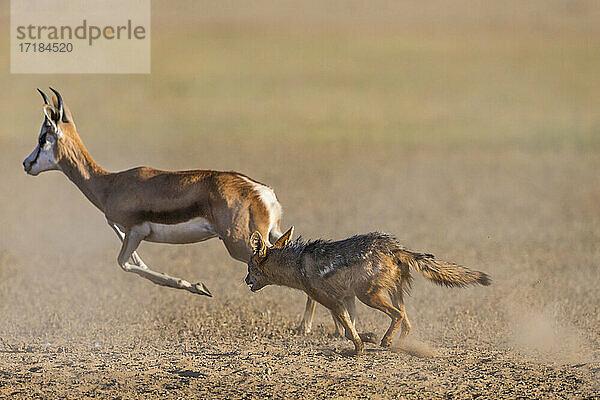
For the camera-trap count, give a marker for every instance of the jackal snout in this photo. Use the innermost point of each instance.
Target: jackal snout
(252, 282)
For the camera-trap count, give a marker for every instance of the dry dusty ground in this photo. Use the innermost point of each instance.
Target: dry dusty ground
(75, 325)
(468, 130)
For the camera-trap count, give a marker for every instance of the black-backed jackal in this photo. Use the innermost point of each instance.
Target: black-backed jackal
(366, 266)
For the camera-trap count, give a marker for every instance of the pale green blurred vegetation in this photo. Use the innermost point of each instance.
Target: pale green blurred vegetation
(437, 74)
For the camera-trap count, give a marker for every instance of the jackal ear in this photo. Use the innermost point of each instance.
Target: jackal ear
(258, 244)
(285, 238)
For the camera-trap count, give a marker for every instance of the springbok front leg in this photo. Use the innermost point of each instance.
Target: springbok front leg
(131, 241)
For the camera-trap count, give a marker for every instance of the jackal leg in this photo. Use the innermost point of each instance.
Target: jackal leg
(343, 316)
(131, 240)
(350, 304)
(398, 302)
(377, 301)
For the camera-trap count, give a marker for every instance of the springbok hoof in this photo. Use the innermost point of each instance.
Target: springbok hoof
(201, 289)
(303, 330)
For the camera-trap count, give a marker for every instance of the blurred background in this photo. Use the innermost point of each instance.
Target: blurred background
(292, 93)
(469, 129)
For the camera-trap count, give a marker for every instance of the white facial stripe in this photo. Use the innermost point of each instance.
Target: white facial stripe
(42, 158)
(58, 132)
(48, 145)
(45, 160)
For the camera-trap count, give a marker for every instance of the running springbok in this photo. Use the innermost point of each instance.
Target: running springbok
(160, 206)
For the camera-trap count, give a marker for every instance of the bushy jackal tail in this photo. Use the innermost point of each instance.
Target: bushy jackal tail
(441, 272)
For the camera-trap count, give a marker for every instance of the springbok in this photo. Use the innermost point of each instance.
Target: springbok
(160, 206)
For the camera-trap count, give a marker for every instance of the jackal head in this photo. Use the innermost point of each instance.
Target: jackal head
(51, 140)
(258, 267)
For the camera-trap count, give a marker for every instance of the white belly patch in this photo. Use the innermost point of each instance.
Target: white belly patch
(194, 230)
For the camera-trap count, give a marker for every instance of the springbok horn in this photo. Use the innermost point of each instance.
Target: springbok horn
(43, 96)
(60, 103)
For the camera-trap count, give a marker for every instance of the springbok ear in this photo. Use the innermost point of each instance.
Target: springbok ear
(67, 117)
(50, 113)
(285, 238)
(258, 245)
(52, 117)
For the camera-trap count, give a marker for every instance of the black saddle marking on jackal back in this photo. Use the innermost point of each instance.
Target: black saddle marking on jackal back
(331, 257)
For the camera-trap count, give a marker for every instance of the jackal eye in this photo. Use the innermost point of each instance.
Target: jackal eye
(42, 140)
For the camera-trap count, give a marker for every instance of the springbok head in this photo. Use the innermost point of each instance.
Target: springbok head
(51, 141)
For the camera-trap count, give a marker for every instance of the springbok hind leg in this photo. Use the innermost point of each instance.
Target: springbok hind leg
(131, 240)
(137, 260)
(309, 312)
(306, 323)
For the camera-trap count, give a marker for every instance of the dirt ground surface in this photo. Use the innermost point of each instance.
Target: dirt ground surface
(470, 133)
(74, 324)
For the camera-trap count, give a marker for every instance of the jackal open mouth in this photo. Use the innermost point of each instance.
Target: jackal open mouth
(254, 287)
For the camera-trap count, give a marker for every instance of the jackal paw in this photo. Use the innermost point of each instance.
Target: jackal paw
(368, 337)
(359, 350)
